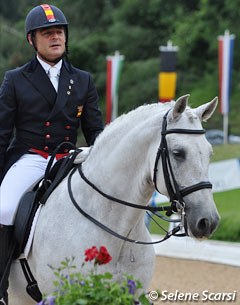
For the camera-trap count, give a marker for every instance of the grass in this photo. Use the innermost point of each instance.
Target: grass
(227, 151)
(229, 209)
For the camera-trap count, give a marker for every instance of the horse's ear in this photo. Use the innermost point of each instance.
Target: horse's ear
(180, 106)
(206, 111)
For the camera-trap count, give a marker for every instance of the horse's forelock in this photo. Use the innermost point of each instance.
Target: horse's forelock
(191, 114)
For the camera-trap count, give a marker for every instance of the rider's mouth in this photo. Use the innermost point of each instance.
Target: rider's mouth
(55, 45)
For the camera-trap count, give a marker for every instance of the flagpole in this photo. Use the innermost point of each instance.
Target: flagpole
(225, 128)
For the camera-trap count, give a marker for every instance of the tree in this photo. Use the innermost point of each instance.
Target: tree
(136, 28)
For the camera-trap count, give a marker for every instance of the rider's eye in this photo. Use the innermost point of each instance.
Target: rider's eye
(179, 154)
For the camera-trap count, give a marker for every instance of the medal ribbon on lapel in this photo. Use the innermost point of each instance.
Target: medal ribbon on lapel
(48, 12)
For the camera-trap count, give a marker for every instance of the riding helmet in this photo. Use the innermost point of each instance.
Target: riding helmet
(43, 16)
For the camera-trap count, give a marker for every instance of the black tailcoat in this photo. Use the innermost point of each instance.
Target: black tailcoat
(39, 117)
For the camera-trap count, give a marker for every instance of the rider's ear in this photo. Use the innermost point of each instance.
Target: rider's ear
(206, 111)
(29, 38)
(180, 106)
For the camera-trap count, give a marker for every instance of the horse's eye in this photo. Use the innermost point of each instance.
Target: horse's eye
(179, 154)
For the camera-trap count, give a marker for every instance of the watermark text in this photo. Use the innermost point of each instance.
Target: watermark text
(204, 296)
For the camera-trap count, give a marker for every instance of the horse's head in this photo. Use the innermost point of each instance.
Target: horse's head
(184, 155)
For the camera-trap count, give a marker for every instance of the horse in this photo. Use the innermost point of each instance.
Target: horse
(126, 163)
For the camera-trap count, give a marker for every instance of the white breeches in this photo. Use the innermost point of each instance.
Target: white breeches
(21, 175)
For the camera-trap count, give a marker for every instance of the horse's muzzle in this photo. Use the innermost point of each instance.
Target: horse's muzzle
(203, 227)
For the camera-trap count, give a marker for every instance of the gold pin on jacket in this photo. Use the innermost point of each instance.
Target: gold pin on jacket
(79, 111)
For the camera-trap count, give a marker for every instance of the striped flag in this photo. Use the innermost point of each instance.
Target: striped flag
(167, 77)
(114, 67)
(225, 55)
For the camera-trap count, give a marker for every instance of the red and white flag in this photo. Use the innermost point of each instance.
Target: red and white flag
(225, 55)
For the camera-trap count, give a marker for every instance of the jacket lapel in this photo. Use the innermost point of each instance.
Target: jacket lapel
(40, 81)
(67, 81)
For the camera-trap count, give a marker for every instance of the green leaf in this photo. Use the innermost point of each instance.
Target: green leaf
(143, 300)
(82, 302)
(108, 275)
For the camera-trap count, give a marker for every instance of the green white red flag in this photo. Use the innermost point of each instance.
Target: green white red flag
(114, 67)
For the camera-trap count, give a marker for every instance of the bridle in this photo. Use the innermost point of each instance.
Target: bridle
(175, 193)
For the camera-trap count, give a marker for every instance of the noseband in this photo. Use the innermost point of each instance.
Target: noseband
(175, 193)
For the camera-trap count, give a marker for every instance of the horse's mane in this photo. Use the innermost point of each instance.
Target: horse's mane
(125, 122)
(147, 116)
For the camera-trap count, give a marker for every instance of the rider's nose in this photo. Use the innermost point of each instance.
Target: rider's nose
(54, 35)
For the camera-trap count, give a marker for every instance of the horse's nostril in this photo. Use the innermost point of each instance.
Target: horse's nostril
(203, 225)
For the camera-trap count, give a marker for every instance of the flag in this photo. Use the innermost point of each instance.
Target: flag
(114, 67)
(167, 77)
(225, 56)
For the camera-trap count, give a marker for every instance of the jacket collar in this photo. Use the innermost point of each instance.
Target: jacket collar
(35, 73)
(31, 67)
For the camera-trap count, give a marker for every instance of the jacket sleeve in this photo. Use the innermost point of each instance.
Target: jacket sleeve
(91, 120)
(7, 115)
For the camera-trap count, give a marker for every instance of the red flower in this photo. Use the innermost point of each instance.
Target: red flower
(103, 257)
(91, 253)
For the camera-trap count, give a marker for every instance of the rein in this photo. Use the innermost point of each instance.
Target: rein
(175, 194)
(129, 204)
(107, 229)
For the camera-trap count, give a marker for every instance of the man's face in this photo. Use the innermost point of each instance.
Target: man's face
(50, 43)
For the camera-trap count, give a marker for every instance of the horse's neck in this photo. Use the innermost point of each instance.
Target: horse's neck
(120, 165)
(123, 169)
(121, 182)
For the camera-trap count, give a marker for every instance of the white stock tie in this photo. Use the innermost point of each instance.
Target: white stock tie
(53, 74)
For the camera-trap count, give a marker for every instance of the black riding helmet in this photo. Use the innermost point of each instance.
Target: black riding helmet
(43, 16)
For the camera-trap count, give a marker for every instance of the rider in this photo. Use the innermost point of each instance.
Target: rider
(35, 116)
